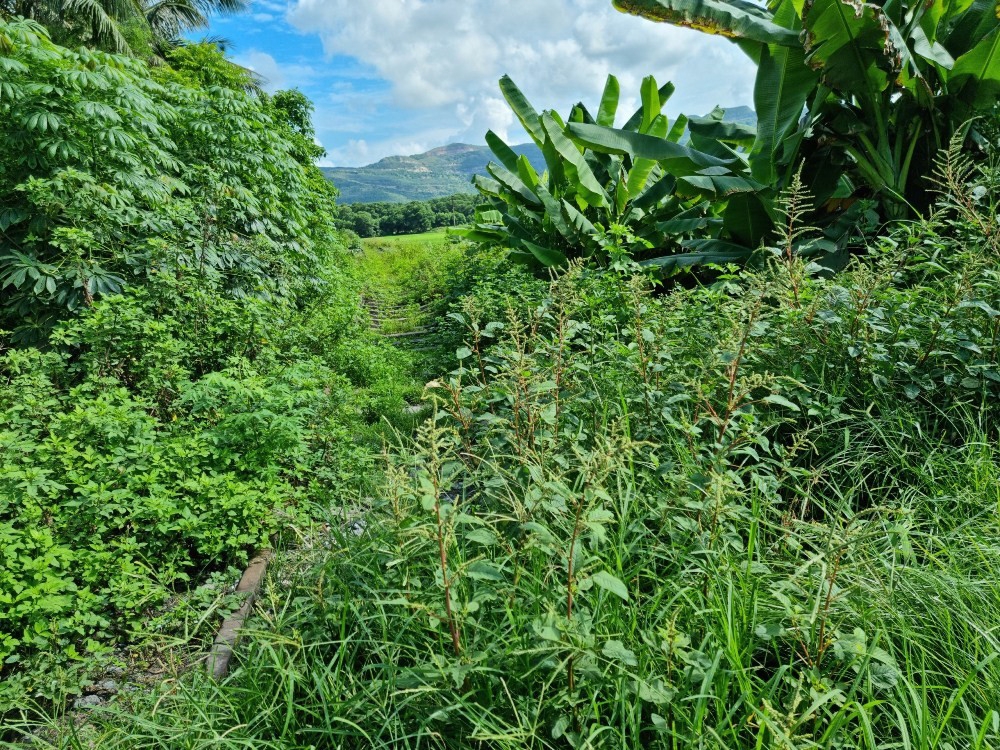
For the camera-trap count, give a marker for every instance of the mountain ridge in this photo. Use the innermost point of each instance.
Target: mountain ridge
(441, 171)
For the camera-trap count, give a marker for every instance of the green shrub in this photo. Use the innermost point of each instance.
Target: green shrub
(167, 432)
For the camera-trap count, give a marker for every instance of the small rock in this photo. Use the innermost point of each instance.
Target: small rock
(108, 686)
(88, 701)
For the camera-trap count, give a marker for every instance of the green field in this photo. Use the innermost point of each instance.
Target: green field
(436, 236)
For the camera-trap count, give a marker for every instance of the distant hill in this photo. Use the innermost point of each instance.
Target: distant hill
(741, 115)
(441, 171)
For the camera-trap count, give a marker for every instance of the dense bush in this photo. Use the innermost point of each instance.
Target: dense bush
(179, 346)
(165, 434)
(111, 171)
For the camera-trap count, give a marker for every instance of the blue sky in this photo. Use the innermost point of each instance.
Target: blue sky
(404, 76)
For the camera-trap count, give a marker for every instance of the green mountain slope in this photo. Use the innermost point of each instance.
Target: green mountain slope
(441, 171)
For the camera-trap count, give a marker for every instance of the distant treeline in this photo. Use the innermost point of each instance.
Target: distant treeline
(381, 219)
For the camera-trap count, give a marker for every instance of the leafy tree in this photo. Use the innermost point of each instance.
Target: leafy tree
(123, 26)
(294, 109)
(383, 218)
(112, 171)
(418, 217)
(365, 225)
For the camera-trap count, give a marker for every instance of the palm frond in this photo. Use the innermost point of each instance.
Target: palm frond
(105, 19)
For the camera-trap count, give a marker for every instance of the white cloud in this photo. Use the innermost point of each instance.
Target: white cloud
(442, 59)
(276, 75)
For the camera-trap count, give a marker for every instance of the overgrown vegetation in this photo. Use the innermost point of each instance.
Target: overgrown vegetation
(756, 507)
(756, 514)
(187, 371)
(855, 99)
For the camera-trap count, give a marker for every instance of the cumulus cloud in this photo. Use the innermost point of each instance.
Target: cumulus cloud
(276, 75)
(443, 57)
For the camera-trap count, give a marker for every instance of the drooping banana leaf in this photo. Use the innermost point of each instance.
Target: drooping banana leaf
(845, 41)
(735, 19)
(501, 150)
(692, 219)
(658, 190)
(699, 252)
(783, 86)
(575, 166)
(545, 255)
(747, 220)
(512, 182)
(960, 30)
(679, 159)
(730, 132)
(715, 186)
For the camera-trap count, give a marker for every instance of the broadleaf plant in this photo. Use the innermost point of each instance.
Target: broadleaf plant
(866, 94)
(631, 194)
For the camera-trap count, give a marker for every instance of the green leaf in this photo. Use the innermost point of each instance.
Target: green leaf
(484, 571)
(847, 42)
(484, 537)
(715, 186)
(689, 220)
(616, 651)
(635, 121)
(545, 255)
(654, 691)
(699, 252)
(575, 167)
(523, 110)
(769, 631)
(554, 212)
(976, 74)
(513, 183)
(783, 86)
(774, 398)
(651, 104)
(678, 159)
(609, 102)
(638, 176)
(720, 130)
(746, 219)
(501, 150)
(610, 583)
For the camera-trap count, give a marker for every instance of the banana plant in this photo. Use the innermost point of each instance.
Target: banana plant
(635, 191)
(865, 93)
